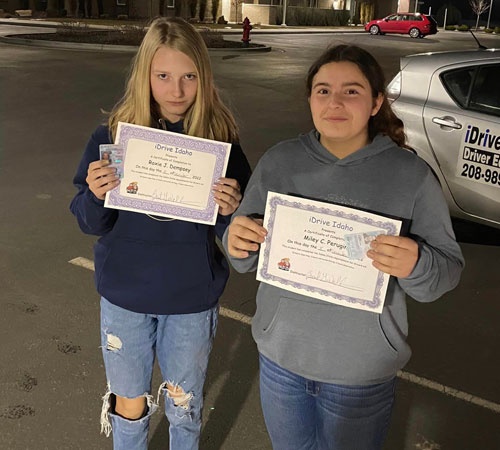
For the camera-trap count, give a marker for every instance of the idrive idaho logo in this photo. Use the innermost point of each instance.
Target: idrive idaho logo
(474, 135)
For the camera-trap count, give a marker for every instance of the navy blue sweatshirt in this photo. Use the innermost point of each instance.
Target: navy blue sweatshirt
(150, 266)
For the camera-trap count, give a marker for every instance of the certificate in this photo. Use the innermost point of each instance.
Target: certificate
(168, 174)
(319, 250)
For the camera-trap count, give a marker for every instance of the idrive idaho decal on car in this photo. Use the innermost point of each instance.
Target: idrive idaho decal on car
(479, 157)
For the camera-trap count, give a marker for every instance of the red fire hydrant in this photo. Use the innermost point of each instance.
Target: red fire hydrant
(246, 32)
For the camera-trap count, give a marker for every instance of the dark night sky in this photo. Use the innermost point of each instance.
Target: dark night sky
(464, 7)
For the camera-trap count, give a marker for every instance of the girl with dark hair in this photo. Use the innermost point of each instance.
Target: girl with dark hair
(327, 372)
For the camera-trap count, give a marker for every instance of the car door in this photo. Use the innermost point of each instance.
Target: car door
(390, 24)
(462, 122)
(404, 23)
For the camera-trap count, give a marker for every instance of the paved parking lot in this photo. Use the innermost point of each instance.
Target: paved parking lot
(51, 374)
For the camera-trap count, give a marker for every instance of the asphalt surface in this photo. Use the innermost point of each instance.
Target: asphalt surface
(51, 373)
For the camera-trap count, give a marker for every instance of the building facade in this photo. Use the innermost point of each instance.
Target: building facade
(258, 11)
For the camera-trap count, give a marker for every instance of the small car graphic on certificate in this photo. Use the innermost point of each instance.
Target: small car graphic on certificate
(284, 264)
(133, 188)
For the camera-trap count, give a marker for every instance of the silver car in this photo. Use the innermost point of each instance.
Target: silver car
(450, 105)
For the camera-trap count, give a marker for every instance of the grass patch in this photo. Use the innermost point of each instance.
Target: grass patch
(125, 35)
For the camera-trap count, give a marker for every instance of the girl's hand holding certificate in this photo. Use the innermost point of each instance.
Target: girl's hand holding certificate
(395, 255)
(101, 178)
(227, 195)
(245, 235)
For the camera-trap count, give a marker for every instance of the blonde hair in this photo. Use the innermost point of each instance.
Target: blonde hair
(208, 117)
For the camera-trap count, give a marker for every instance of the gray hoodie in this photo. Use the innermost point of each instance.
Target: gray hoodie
(331, 343)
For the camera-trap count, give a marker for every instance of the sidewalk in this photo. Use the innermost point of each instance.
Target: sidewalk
(231, 29)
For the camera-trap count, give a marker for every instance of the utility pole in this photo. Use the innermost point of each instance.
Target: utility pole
(283, 23)
(489, 14)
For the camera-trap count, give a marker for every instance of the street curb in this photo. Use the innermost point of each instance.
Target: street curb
(68, 45)
(284, 30)
(109, 47)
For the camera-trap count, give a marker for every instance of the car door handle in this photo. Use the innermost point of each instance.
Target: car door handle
(447, 122)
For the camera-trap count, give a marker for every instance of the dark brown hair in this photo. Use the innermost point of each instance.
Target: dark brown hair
(385, 121)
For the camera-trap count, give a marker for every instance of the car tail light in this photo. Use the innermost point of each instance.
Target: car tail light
(394, 88)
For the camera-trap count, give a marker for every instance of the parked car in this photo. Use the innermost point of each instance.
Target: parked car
(416, 25)
(450, 105)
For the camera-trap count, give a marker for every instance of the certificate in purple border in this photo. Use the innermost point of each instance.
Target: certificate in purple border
(219, 149)
(276, 201)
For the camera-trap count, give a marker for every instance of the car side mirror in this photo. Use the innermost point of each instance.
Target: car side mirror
(387, 20)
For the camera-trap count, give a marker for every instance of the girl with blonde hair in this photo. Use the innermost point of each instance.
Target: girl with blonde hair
(159, 279)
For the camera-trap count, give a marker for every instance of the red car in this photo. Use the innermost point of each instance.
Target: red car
(416, 25)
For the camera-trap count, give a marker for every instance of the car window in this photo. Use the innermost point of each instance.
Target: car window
(402, 17)
(485, 95)
(392, 17)
(417, 18)
(458, 84)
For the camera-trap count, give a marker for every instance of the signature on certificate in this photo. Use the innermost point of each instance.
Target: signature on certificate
(331, 279)
(326, 277)
(166, 197)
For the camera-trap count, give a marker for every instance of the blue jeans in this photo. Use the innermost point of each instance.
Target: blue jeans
(182, 343)
(302, 414)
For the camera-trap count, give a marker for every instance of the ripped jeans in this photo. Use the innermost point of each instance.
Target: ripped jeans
(182, 343)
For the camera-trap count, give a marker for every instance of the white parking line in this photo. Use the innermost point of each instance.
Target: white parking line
(83, 262)
(429, 384)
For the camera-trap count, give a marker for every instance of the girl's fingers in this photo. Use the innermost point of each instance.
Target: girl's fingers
(249, 227)
(228, 191)
(240, 248)
(384, 268)
(235, 253)
(394, 241)
(101, 179)
(228, 199)
(243, 244)
(98, 173)
(388, 261)
(100, 192)
(97, 165)
(245, 235)
(229, 182)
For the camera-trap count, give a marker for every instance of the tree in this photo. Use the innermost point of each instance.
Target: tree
(215, 9)
(70, 7)
(52, 5)
(193, 4)
(203, 9)
(479, 7)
